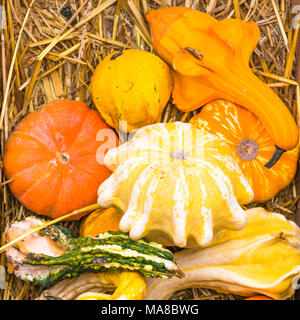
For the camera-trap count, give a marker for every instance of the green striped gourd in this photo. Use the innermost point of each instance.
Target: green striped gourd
(108, 251)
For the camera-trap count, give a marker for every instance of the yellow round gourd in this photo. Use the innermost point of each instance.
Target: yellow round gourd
(131, 86)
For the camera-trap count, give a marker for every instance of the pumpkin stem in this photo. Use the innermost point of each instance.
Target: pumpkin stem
(276, 156)
(195, 53)
(63, 157)
(116, 55)
(179, 155)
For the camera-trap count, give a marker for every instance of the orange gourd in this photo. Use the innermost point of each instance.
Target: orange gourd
(100, 221)
(51, 158)
(210, 59)
(251, 146)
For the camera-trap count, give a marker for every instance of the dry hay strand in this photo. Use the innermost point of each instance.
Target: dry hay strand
(49, 50)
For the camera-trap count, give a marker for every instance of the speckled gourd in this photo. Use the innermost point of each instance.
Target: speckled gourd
(130, 88)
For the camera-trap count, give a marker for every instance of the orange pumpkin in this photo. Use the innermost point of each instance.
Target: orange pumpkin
(51, 158)
(100, 221)
(251, 146)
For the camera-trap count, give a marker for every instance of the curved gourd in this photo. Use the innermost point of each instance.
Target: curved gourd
(210, 59)
(263, 258)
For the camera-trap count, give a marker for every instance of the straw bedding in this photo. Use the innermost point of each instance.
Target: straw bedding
(34, 73)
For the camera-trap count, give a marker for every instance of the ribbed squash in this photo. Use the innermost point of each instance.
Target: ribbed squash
(251, 146)
(130, 88)
(262, 258)
(176, 185)
(211, 61)
(50, 158)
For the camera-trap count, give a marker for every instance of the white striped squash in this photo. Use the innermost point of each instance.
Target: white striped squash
(175, 184)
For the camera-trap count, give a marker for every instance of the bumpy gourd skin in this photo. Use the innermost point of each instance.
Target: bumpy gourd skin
(52, 254)
(132, 86)
(210, 59)
(129, 285)
(108, 251)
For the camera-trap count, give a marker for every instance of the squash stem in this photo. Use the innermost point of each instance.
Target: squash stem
(276, 156)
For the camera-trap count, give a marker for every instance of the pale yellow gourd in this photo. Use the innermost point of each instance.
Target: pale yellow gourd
(263, 257)
(176, 185)
(130, 88)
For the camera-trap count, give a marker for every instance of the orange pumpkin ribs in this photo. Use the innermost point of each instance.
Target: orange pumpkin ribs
(251, 147)
(51, 158)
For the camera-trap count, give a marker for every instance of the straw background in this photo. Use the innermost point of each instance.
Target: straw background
(47, 54)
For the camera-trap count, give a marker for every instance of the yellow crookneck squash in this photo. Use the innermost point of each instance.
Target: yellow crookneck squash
(210, 59)
(251, 146)
(127, 285)
(262, 258)
(175, 184)
(130, 88)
